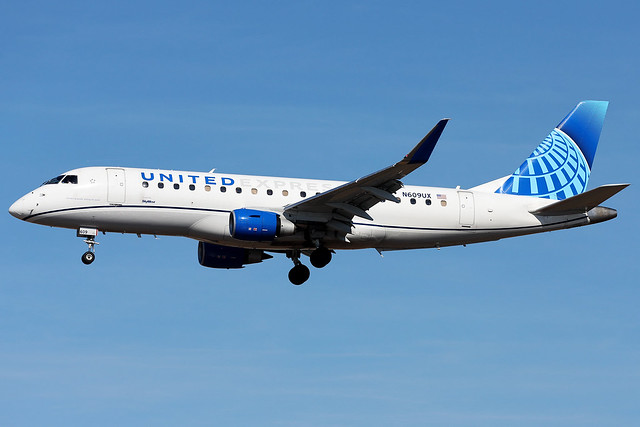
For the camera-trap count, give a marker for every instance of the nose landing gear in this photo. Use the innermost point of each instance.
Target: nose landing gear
(90, 234)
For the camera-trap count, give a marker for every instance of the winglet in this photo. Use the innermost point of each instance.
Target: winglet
(422, 151)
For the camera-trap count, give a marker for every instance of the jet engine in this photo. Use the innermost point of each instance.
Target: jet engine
(258, 226)
(217, 256)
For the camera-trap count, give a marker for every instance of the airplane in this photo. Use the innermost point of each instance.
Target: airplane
(240, 219)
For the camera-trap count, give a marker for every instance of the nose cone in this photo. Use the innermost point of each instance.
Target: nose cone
(19, 209)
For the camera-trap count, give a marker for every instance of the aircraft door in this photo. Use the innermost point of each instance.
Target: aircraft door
(467, 208)
(116, 186)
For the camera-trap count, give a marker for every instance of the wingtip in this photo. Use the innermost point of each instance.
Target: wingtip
(422, 151)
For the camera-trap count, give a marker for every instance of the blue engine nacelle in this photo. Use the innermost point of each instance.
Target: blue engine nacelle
(217, 256)
(258, 226)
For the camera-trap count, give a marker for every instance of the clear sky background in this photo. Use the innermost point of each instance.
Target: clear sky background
(538, 330)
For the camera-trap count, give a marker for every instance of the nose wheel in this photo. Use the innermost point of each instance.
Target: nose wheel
(88, 257)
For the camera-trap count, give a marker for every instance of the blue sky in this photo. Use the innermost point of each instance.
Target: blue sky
(529, 331)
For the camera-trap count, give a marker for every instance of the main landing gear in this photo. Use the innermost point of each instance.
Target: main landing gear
(90, 239)
(320, 257)
(300, 272)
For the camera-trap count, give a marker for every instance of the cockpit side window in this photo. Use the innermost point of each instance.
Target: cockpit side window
(55, 180)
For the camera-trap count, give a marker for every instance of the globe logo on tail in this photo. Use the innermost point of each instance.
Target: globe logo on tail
(560, 166)
(557, 170)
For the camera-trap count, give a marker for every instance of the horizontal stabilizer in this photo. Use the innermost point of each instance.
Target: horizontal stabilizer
(582, 202)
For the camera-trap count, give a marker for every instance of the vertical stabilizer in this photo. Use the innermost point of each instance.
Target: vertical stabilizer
(560, 166)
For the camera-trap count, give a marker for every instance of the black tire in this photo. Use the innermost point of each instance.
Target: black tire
(299, 274)
(88, 257)
(320, 257)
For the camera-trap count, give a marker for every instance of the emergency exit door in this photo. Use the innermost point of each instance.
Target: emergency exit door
(115, 186)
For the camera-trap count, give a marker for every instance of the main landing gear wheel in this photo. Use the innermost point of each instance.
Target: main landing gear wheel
(299, 274)
(320, 257)
(88, 257)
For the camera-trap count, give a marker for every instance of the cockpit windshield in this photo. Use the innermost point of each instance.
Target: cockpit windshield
(55, 180)
(64, 179)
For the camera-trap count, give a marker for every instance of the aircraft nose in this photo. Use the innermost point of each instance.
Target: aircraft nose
(19, 209)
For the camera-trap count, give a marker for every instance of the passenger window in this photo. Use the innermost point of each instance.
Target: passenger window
(254, 191)
(223, 189)
(413, 201)
(145, 184)
(207, 188)
(428, 202)
(70, 179)
(176, 186)
(238, 190)
(270, 192)
(160, 185)
(303, 194)
(285, 193)
(192, 187)
(443, 202)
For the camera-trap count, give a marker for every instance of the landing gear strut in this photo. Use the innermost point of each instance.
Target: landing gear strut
(90, 234)
(300, 272)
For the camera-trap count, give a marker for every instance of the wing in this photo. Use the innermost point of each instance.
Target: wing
(335, 209)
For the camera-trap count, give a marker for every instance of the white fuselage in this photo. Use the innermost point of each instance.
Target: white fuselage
(198, 205)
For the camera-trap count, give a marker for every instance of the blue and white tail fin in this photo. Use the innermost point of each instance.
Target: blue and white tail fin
(560, 167)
